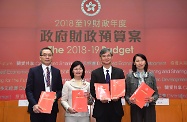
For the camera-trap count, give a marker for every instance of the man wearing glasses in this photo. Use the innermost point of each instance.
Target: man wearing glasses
(43, 78)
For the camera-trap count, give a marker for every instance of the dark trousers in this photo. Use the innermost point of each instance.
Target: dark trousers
(109, 115)
(146, 114)
(107, 118)
(42, 117)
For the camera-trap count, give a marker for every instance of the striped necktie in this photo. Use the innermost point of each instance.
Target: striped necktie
(48, 77)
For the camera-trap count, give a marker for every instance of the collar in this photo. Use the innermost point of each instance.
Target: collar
(83, 85)
(44, 67)
(135, 74)
(110, 69)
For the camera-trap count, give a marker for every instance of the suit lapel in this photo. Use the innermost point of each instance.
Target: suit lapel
(113, 73)
(53, 75)
(40, 72)
(102, 75)
(40, 76)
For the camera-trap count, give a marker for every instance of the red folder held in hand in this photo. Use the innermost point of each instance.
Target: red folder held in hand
(79, 101)
(102, 91)
(141, 93)
(46, 101)
(117, 88)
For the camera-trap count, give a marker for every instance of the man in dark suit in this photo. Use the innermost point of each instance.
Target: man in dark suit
(104, 110)
(43, 78)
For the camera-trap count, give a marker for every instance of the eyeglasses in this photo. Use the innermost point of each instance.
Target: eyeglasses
(45, 55)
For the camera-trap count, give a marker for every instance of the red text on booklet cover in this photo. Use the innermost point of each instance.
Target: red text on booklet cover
(117, 88)
(46, 101)
(102, 91)
(79, 101)
(141, 93)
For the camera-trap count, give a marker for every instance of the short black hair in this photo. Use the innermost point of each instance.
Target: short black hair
(74, 64)
(45, 48)
(104, 50)
(134, 68)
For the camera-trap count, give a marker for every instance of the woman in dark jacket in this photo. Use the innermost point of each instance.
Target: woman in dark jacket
(138, 75)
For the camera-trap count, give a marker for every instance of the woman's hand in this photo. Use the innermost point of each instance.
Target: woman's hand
(71, 110)
(86, 94)
(149, 99)
(132, 100)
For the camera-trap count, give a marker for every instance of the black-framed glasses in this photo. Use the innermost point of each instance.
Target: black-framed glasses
(47, 55)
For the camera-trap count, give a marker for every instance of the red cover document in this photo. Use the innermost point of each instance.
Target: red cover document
(46, 101)
(141, 93)
(79, 101)
(117, 88)
(102, 91)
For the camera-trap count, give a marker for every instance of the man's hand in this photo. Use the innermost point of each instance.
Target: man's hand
(115, 99)
(37, 109)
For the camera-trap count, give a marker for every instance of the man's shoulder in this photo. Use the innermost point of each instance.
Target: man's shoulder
(35, 67)
(97, 69)
(116, 68)
(54, 68)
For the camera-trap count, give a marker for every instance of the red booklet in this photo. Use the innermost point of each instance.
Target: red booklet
(79, 101)
(117, 88)
(46, 101)
(141, 93)
(102, 91)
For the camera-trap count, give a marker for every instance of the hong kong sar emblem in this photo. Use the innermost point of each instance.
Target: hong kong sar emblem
(90, 7)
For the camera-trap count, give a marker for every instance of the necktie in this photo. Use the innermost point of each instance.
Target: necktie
(107, 76)
(48, 77)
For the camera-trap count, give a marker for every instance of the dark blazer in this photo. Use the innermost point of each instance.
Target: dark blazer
(35, 84)
(97, 76)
